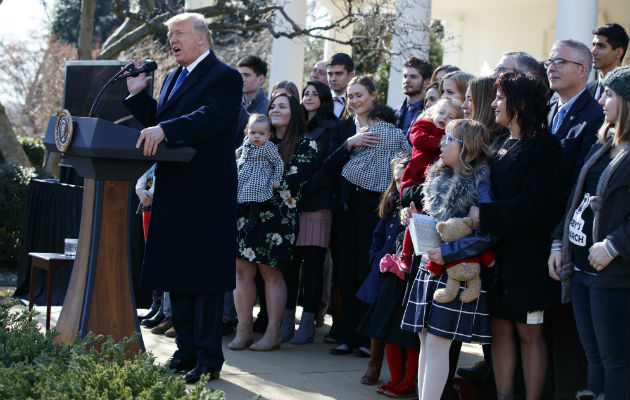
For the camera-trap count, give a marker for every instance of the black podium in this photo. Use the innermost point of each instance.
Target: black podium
(100, 293)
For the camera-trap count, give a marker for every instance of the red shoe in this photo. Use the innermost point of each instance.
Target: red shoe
(402, 391)
(386, 387)
(404, 262)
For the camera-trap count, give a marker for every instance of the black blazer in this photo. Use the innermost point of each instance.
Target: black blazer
(318, 193)
(333, 164)
(191, 244)
(591, 87)
(527, 207)
(577, 133)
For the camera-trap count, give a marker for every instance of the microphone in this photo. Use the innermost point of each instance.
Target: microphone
(147, 67)
(128, 67)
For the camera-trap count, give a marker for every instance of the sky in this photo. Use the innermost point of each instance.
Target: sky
(19, 17)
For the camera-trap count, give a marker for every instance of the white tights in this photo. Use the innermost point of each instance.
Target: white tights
(432, 365)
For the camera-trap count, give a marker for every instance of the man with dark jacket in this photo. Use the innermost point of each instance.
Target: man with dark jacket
(610, 43)
(416, 76)
(190, 250)
(574, 116)
(253, 70)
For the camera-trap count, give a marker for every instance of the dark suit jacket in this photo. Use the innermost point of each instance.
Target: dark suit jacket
(591, 87)
(191, 246)
(577, 133)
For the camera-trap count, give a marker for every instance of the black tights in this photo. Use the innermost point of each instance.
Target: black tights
(310, 259)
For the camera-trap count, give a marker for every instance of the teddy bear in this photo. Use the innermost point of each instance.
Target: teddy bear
(463, 270)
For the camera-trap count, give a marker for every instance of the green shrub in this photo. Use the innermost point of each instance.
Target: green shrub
(32, 366)
(13, 190)
(34, 149)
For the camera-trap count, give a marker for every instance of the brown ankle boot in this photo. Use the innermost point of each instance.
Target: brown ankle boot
(377, 350)
(244, 336)
(270, 341)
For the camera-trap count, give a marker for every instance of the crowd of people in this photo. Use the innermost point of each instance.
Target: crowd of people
(354, 204)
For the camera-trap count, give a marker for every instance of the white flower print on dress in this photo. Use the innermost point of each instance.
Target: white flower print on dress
(313, 145)
(277, 239)
(292, 170)
(249, 254)
(285, 194)
(290, 202)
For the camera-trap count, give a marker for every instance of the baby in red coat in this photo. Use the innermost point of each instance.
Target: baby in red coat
(425, 136)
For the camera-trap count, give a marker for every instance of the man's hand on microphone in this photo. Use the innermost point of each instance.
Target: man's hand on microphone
(151, 136)
(137, 84)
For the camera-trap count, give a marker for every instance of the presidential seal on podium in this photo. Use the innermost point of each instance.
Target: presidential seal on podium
(63, 130)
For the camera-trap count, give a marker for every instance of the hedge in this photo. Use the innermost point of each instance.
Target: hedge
(33, 366)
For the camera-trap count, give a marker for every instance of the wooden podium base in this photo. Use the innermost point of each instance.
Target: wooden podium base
(100, 295)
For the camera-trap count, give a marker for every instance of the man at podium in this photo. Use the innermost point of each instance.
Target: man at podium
(191, 246)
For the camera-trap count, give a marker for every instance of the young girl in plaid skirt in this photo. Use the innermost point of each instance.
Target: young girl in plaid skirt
(458, 180)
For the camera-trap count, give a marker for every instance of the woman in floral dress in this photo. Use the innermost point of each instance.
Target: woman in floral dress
(268, 246)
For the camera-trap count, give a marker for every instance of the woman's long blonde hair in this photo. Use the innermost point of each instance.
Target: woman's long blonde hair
(621, 126)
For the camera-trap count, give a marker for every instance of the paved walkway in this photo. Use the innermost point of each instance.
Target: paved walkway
(295, 372)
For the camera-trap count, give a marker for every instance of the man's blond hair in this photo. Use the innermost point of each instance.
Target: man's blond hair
(198, 23)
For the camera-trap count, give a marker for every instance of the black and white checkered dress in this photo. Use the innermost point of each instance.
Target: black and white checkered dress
(369, 167)
(258, 167)
(466, 322)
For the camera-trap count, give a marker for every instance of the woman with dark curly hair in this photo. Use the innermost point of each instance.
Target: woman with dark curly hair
(527, 173)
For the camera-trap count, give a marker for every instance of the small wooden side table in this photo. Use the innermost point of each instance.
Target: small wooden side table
(50, 262)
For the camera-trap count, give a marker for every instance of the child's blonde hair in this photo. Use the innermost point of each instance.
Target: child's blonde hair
(474, 137)
(386, 206)
(429, 113)
(257, 118)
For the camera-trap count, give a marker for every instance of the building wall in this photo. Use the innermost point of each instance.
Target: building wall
(481, 30)
(480, 35)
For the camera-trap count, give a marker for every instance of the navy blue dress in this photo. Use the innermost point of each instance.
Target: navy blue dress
(383, 242)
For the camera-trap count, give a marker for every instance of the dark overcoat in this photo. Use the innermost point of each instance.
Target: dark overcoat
(526, 209)
(190, 246)
(577, 133)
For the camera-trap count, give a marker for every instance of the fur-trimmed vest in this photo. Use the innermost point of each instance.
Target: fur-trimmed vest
(447, 195)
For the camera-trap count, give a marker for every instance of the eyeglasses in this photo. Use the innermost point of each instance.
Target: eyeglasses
(559, 63)
(447, 139)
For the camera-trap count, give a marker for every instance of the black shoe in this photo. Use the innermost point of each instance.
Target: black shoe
(478, 372)
(155, 306)
(359, 352)
(585, 395)
(154, 320)
(194, 374)
(340, 351)
(179, 365)
(260, 325)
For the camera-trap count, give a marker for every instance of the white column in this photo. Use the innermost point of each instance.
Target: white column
(195, 4)
(330, 47)
(576, 19)
(413, 25)
(287, 55)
